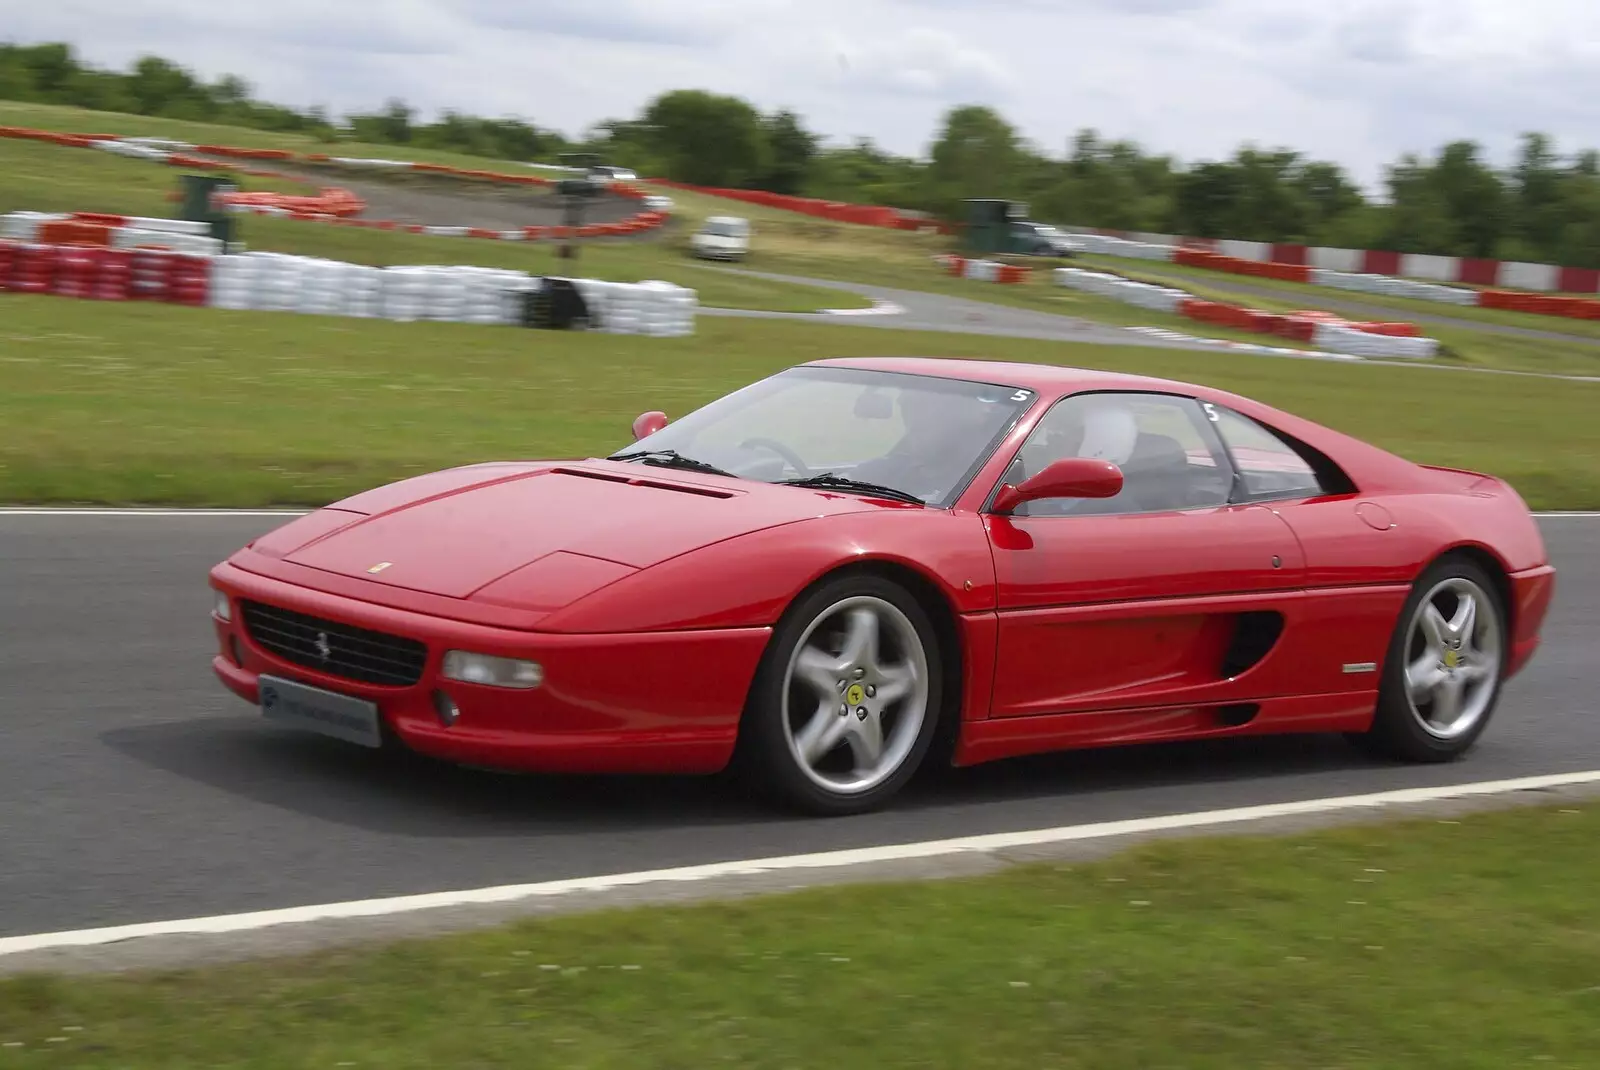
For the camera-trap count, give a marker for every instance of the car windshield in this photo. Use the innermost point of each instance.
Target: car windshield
(722, 229)
(920, 435)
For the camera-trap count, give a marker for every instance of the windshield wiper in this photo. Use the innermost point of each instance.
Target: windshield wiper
(834, 481)
(671, 459)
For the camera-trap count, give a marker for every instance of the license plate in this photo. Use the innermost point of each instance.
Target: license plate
(312, 709)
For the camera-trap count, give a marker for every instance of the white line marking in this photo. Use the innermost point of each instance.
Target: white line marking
(877, 308)
(367, 908)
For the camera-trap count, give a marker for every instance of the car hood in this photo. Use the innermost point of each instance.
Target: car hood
(585, 522)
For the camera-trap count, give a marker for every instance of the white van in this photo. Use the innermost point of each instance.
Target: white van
(722, 237)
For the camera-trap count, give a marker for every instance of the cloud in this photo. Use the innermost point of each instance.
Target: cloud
(679, 23)
(1355, 81)
(920, 62)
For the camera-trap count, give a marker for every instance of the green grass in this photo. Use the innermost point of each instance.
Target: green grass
(1472, 944)
(161, 404)
(39, 177)
(84, 121)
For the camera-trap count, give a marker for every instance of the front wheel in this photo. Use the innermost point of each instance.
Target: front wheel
(1444, 669)
(847, 699)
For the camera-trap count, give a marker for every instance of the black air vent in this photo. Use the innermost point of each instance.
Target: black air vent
(337, 649)
(1254, 636)
(643, 481)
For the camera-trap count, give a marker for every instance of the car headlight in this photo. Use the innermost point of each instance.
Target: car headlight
(220, 605)
(492, 671)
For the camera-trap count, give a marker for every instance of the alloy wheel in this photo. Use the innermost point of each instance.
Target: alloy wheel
(855, 694)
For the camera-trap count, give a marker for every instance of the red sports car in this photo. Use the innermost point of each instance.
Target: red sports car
(856, 567)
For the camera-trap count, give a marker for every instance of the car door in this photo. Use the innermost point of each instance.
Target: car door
(1159, 596)
(1358, 564)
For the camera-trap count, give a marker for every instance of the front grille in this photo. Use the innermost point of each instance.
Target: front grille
(337, 649)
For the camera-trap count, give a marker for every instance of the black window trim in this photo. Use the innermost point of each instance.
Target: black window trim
(1207, 430)
(1331, 480)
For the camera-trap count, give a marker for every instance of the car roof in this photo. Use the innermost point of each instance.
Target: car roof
(1044, 378)
(1372, 467)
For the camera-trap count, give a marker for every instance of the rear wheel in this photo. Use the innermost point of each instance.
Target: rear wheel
(847, 699)
(1445, 667)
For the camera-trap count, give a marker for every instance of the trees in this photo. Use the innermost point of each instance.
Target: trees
(1543, 206)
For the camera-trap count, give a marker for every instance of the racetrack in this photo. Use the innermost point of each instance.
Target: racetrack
(916, 310)
(136, 789)
(432, 200)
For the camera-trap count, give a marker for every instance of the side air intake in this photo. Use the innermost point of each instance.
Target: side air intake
(1254, 635)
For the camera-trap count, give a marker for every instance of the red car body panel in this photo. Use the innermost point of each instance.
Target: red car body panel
(649, 595)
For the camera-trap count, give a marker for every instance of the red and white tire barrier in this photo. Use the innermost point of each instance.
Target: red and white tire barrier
(277, 282)
(982, 270)
(1423, 278)
(108, 231)
(1322, 330)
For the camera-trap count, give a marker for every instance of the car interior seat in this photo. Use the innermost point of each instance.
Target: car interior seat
(1158, 476)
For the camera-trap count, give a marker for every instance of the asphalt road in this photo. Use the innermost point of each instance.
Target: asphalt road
(133, 788)
(920, 311)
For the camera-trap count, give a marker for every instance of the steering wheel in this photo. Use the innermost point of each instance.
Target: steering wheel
(789, 456)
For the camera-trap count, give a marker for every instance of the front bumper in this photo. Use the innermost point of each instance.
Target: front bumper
(642, 702)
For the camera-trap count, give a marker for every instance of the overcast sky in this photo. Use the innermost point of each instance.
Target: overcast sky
(1357, 81)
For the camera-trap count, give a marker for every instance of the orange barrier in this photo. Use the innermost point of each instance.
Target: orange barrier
(330, 200)
(1261, 269)
(865, 215)
(74, 232)
(1578, 308)
(1300, 326)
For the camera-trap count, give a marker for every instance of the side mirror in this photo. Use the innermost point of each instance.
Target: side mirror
(1070, 477)
(648, 423)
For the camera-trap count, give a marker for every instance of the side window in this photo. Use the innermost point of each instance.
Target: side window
(1169, 456)
(1268, 466)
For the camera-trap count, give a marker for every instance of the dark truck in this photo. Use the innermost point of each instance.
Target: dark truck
(995, 226)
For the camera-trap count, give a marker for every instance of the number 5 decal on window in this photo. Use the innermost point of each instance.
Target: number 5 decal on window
(1211, 413)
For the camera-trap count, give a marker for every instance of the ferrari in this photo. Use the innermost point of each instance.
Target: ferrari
(854, 569)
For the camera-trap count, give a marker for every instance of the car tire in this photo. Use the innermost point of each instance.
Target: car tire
(821, 709)
(1442, 660)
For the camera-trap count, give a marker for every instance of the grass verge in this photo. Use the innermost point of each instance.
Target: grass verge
(141, 403)
(1468, 944)
(39, 177)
